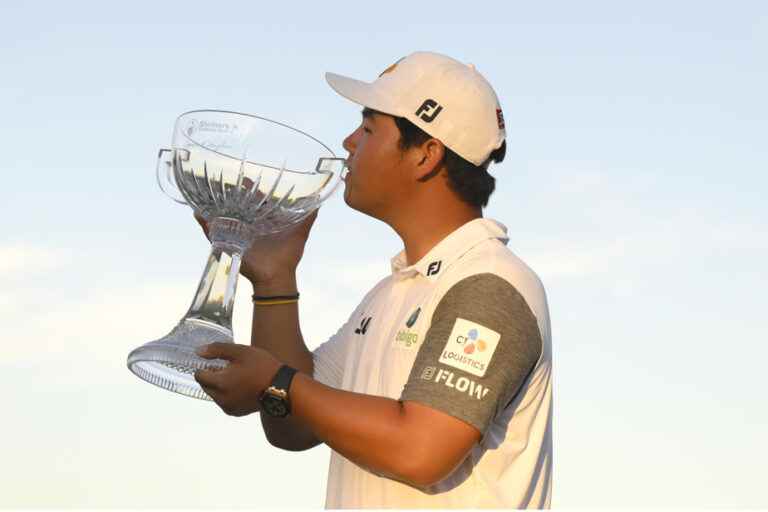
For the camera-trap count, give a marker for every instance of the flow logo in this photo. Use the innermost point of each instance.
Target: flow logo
(363, 325)
(434, 268)
(462, 384)
(428, 372)
(456, 382)
(424, 110)
(470, 347)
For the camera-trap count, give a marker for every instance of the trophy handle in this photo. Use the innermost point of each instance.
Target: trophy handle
(164, 172)
(326, 166)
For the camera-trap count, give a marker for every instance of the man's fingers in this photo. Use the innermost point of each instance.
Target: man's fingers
(208, 379)
(203, 224)
(311, 219)
(305, 225)
(218, 350)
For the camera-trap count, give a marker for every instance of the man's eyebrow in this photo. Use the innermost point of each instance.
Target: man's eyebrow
(368, 113)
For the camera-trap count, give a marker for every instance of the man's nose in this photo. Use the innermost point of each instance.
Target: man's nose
(350, 143)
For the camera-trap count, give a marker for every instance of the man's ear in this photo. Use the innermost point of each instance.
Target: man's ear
(429, 157)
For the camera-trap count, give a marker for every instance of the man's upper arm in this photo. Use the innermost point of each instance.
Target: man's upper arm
(480, 347)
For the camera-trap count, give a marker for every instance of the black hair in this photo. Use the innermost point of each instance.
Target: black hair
(470, 182)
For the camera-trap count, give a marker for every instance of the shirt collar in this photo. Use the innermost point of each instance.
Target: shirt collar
(450, 248)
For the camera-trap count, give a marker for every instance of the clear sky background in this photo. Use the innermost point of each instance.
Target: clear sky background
(634, 185)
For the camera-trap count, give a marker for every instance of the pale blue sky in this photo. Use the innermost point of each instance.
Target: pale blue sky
(634, 185)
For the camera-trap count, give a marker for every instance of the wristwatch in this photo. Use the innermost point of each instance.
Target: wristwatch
(274, 400)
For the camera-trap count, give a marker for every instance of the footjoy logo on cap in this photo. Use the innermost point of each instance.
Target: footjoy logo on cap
(470, 347)
(428, 110)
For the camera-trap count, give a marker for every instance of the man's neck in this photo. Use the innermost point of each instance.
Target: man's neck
(421, 235)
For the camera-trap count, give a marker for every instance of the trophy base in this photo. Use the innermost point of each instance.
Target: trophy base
(171, 361)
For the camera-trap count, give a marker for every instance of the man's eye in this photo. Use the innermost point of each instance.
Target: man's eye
(367, 130)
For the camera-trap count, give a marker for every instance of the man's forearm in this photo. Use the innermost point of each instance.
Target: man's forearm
(276, 329)
(371, 431)
(366, 429)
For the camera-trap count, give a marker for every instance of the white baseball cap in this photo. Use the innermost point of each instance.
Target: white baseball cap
(449, 100)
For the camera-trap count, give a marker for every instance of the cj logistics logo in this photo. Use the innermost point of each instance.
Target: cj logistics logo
(470, 342)
(470, 347)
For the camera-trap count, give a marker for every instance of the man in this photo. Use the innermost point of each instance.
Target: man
(437, 392)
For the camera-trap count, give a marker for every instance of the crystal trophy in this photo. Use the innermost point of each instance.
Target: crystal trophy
(248, 177)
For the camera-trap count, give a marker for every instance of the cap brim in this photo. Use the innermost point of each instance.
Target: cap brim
(362, 93)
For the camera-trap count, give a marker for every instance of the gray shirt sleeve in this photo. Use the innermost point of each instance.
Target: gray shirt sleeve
(480, 347)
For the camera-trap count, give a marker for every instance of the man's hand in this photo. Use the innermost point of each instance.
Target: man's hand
(273, 258)
(237, 387)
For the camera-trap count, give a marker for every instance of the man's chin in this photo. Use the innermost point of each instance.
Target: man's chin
(351, 202)
(348, 196)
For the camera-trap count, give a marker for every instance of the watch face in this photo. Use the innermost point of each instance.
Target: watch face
(274, 406)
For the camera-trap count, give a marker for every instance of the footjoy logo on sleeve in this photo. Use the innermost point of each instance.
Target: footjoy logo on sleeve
(470, 347)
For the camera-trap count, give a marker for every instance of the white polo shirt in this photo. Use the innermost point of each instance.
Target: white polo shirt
(466, 331)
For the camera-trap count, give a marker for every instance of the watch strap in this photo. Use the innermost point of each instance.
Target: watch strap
(283, 378)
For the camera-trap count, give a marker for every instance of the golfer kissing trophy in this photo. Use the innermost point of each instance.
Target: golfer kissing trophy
(248, 177)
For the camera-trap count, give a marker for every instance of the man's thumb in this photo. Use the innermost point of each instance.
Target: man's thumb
(218, 350)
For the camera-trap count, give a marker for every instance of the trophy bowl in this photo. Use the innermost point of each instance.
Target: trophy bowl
(248, 177)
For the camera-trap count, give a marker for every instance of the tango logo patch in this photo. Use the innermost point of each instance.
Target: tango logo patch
(405, 337)
(412, 319)
(470, 347)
